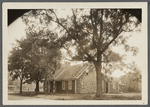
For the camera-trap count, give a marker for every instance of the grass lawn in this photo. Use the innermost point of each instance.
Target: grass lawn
(42, 96)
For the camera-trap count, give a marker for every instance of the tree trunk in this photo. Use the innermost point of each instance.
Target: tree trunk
(99, 80)
(20, 86)
(98, 66)
(37, 86)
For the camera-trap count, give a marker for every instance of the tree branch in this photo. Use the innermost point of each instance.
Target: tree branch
(58, 22)
(68, 51)
(106, 58)
(117, 34)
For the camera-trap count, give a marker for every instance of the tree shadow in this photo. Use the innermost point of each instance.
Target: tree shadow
(27, 94)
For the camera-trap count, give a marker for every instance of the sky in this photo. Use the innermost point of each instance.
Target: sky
(17, 30)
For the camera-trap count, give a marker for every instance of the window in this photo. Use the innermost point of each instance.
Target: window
(63, 85)
(70, 85)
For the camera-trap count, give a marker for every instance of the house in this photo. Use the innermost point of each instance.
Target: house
(74, 79)
(131, 82)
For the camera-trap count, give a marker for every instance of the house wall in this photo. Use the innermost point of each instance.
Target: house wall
(59, 87)
(140, 88)
(48, 86)
(126, 80)
(87, 83)
(113, 87)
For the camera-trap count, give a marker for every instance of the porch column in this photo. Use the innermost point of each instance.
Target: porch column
(118, 86)
(108, 87)
(75, 86)
(103, 86)
(54, 87)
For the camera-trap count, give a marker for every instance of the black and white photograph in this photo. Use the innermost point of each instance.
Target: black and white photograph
(75, 53)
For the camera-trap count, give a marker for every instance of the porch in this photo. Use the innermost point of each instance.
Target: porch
(59, 86)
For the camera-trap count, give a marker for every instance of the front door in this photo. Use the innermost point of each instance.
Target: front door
(51, 89)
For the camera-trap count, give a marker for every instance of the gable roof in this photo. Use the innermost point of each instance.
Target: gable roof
(131, 75)
(117, 79)
(71, 72)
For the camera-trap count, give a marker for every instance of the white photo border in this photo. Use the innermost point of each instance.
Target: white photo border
(46, 5)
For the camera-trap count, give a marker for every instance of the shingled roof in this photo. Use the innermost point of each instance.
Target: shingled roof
(69, 73)
(72, 72)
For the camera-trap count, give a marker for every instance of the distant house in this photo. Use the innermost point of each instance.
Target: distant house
(14, 85)
(11, 85)
(74, 79)
(130, 82)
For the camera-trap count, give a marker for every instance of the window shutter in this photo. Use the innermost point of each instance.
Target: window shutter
(70, 85)
(63, 85)
(48, 87)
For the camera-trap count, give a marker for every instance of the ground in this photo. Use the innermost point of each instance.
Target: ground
(42, 96)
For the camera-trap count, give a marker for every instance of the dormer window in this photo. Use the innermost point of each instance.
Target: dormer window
(87, 71)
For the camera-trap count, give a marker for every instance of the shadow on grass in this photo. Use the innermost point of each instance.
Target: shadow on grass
(115, 97)
(27, 94)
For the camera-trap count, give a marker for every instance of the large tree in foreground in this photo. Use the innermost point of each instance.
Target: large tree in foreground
(91, 32)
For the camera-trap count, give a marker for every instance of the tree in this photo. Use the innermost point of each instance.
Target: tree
(17, 65)
(92, 32)
(43, 60)
(32, 60)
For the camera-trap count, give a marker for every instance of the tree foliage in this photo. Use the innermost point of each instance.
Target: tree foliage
(32, 60)
(44, 60)
(17, 63)
(135, 70)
